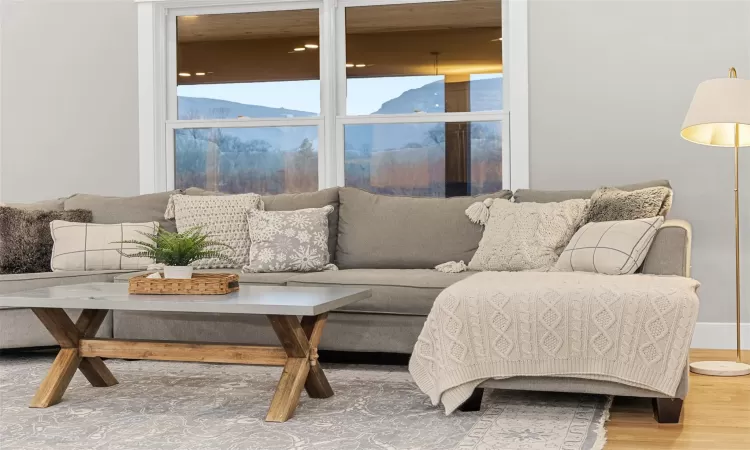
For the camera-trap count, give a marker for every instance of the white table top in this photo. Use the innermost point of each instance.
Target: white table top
(250, 299)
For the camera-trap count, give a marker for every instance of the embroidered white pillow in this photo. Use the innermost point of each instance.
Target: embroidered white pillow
(93, 246)
(289, 241)
(222, 217)
(614, 248)
(523, 236)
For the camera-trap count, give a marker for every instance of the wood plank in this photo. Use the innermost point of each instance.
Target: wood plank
(90, 320)
(291, 335)
(98, 374)
(183, 351)
(716, 415)
(316, 385)
(313, 328)
(58, 378)
(288, 390)
(59, 325)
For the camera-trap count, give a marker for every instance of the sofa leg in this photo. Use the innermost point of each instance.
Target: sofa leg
(667, 410)
(473, 403)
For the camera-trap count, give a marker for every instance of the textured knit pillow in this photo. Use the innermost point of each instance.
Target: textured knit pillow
(523, 236)
(93, 246)
(289, 241)
(614, 248)
(25, 239)
(222, 217)
(609, 204)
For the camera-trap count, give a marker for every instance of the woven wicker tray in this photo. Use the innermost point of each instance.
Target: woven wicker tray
(200, 284)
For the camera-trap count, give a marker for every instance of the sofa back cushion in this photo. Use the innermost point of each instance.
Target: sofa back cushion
(385, 232)
(539, 196)
(141, 208)
(57, 204)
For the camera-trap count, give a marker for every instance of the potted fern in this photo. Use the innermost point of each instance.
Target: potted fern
(177, 251)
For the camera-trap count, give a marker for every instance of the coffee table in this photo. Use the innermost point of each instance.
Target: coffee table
(282, 305)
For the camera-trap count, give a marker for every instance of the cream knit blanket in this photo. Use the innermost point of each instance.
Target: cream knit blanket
(629, 329)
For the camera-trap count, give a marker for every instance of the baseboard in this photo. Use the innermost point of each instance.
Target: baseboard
(720, 335)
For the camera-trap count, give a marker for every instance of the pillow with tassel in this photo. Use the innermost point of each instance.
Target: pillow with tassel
(521, 236)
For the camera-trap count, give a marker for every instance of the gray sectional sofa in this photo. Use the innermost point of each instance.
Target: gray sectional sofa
(388, 244)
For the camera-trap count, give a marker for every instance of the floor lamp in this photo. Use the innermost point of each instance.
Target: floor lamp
(719, 116)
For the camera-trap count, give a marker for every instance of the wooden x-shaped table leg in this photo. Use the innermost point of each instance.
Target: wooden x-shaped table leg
(300, 341)
(68, 359)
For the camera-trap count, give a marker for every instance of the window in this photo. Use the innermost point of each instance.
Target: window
(438, 159)
(237, 160)
(255, 65)
(427, 60)
(391, 96)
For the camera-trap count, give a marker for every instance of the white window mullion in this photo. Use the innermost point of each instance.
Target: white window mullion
(171, 71)
(516, 96)
(327, 155)
(169, 150)
(152, 57)
(484, 116)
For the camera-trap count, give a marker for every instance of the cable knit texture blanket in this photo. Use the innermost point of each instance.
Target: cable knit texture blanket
(630, 329)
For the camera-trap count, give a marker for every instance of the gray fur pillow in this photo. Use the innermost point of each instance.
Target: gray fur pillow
(612, 204)
(25, 238)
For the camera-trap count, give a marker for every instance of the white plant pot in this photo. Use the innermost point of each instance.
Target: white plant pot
(178, 272)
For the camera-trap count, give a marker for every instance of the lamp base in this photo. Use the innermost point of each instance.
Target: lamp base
(720, 368)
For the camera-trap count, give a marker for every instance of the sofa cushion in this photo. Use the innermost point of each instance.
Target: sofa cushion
(97, 246)
(223, 219)
(394, 291)
(385, 232)
(25, 239)
(288, 241)
(57, 204)
(319, 199)
(141, 208)
(292, 202)
(539, 196)
(278, 278)
(27, 281)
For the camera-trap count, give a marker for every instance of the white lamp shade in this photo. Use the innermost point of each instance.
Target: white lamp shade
(716, 107)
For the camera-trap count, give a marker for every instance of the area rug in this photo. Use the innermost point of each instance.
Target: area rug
(191, 406)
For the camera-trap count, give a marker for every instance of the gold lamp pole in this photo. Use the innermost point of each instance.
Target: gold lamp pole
(719, 116)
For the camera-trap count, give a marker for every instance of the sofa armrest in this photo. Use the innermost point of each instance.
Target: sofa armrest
(670, 251)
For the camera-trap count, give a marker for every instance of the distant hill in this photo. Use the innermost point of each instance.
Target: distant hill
(485, 95)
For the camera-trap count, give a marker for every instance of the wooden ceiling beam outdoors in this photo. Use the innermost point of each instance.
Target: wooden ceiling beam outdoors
(468, 51)
(359, 20)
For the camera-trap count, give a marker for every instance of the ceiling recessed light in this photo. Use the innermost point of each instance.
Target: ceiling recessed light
(349, 65)
(183, 74)
(200, 74)
(299, 49)
(360, 65)
(311, 45)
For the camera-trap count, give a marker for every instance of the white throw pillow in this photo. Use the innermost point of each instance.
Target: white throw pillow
(289, 241)
(614, 248)
(222, 217)
(92, 246)
(523, 236)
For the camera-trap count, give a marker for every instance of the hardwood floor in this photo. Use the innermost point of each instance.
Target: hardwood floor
(716, 415)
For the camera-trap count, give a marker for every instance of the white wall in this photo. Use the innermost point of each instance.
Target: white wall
(610, 83)
(69, 98)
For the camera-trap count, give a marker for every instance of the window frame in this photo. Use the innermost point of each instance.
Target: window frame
(157, 75)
